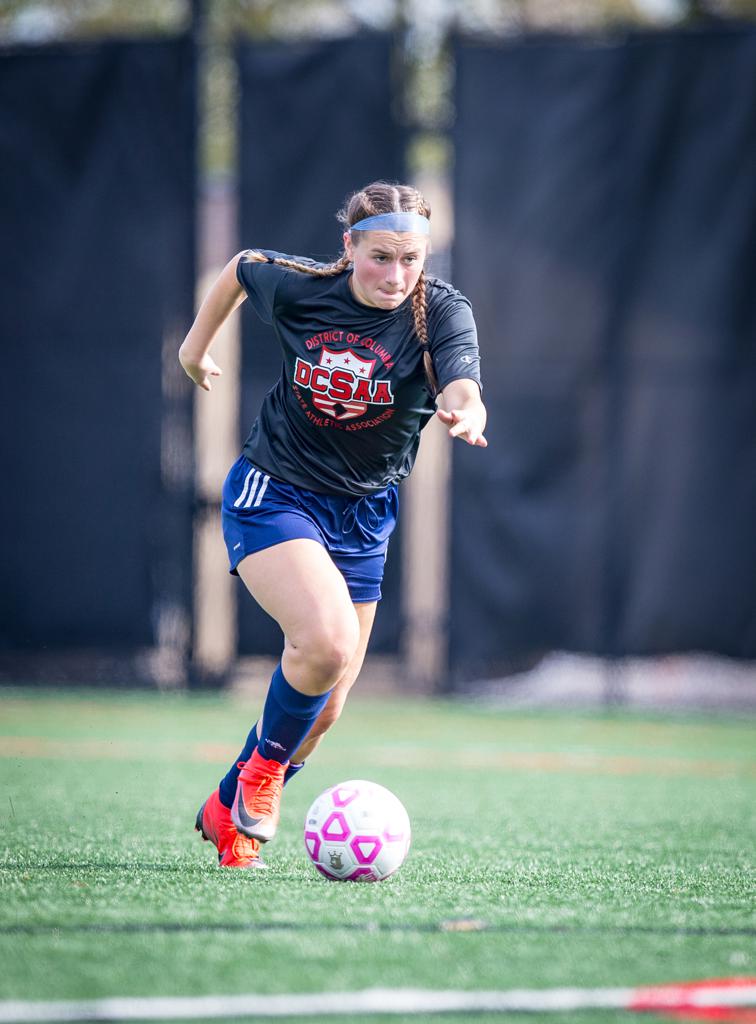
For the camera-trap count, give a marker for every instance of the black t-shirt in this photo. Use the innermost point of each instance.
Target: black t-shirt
(346, 414)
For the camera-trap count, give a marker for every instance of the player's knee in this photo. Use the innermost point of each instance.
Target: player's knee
(329, 649)
(333, 653)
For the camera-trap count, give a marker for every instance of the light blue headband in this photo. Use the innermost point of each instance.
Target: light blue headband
(394, 222)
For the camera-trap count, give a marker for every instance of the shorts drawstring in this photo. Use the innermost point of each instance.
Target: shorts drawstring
(362, 515)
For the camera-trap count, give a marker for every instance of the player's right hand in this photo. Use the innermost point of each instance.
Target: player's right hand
(201, 372)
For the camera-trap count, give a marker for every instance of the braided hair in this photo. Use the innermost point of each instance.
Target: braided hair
(378, 197)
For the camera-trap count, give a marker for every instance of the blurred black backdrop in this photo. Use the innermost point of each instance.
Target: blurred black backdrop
(605, 198)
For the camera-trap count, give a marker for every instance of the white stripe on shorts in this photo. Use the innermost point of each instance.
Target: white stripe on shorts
(260, 493)
(253, 488)
(243, 494)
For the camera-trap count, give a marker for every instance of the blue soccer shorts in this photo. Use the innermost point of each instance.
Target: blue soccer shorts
(259, 511)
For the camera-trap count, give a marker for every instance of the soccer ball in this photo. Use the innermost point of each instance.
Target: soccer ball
(357, 832)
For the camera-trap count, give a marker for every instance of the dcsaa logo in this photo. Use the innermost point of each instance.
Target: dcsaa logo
(341, 384)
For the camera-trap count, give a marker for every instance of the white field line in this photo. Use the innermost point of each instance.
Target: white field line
(369, 1001)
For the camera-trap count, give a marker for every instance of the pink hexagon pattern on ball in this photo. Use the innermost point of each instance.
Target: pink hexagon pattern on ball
(362, 875)
(335, 827)
(312, 842)
(366, 848)
(343, 795)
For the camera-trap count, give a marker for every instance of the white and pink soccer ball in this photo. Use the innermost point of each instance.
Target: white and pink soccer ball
(357, 831)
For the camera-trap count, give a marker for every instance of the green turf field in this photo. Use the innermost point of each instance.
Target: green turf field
(548, 850)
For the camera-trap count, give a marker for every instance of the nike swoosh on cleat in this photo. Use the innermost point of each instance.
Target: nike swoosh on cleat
(244, 818)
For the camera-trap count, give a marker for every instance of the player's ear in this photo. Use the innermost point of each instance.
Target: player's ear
(348, 247)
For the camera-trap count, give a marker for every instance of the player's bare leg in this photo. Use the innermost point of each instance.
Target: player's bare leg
(330, 714)
(299, 586)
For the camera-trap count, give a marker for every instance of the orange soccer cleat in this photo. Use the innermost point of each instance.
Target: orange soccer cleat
(257, 804)
(234, 850)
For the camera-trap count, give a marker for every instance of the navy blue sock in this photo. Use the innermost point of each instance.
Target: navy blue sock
(292, 770)
(287, 718)
(227, 788)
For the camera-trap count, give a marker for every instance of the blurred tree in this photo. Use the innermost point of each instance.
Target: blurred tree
(37, 21)
(24, 19)
(425, 27)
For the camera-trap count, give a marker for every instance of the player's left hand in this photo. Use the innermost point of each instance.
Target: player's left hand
(465, 423)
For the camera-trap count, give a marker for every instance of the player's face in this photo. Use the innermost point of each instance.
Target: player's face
(387, 265)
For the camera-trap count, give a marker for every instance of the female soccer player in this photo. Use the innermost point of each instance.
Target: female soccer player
(369, 344)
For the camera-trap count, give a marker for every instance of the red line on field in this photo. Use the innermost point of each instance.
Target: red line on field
(683, 1000)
